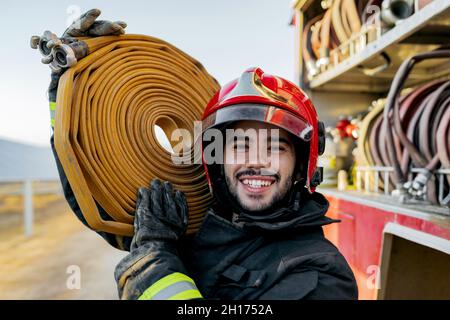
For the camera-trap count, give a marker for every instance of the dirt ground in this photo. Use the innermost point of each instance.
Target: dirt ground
(41, 266)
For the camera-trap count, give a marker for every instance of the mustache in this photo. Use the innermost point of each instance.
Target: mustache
(259, 172)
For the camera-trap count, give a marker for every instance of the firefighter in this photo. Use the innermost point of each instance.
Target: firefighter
(263, 238)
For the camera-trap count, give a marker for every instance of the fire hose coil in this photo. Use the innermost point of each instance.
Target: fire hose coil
(107, 107)
(411, 131)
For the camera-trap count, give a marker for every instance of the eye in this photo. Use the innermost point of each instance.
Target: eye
(277, 148)
(240, 146)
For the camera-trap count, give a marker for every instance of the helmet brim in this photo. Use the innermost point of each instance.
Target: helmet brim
(263, 113)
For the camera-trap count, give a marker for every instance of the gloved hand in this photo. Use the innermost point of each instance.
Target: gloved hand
(161, 214)
(160, 221)
(85, 26)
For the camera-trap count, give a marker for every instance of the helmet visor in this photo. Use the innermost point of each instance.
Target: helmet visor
(262, 113)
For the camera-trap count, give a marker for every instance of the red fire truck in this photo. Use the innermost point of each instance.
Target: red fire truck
(398, 248)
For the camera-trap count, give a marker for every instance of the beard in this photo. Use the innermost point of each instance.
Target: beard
(277, 199)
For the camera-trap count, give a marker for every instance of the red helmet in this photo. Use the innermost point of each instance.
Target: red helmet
(263, 97)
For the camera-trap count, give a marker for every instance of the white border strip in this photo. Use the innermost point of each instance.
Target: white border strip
(419, 237)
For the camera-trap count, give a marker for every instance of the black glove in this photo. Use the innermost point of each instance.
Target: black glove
(160, 221)
(87, 26)
(161, 214)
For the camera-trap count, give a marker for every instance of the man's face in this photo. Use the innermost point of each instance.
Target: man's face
(259, 167)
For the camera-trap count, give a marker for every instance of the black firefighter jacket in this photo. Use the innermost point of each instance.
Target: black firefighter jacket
(294, 262)
(228, 261)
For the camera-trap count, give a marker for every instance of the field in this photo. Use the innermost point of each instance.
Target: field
(37, 267)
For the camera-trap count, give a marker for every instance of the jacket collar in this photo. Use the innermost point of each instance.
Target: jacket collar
(309, 212)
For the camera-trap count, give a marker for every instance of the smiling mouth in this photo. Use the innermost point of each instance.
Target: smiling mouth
(257, 183)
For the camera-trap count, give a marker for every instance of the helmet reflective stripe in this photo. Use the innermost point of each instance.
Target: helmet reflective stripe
(248, 84)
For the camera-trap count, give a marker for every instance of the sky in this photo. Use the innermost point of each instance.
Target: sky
(226, 36)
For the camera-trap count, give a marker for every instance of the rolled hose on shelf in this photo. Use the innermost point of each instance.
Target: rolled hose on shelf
(338, 24)
(345, 19)
(426, 149)
(108, 104)
(365, 149)
(307, 51)
(327, 31)
(412, 130)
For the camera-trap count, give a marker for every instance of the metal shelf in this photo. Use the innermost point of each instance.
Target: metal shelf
(427, 212)
(425, 30)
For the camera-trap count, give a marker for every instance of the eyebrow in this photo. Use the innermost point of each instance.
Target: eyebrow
(280, 140)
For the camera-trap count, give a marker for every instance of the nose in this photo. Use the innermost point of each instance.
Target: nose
(258, 157)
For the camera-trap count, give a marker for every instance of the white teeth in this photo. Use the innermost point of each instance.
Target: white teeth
(257, 183)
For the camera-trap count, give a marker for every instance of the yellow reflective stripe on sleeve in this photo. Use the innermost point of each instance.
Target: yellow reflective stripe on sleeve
(187, 295)
(52, 113)
(165, 282)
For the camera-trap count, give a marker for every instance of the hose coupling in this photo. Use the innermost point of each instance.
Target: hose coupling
(67, 55)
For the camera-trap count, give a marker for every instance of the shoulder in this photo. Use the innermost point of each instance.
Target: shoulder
(315, 253)
(308, 243)
(315, 276)
(313, 269)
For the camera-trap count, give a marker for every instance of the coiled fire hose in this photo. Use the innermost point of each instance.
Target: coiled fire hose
(408, 131)
(365, 150)
(345, 19)
(327, 31)
(308, 55)
(108, 103)
(339, 23)
(431, 148)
